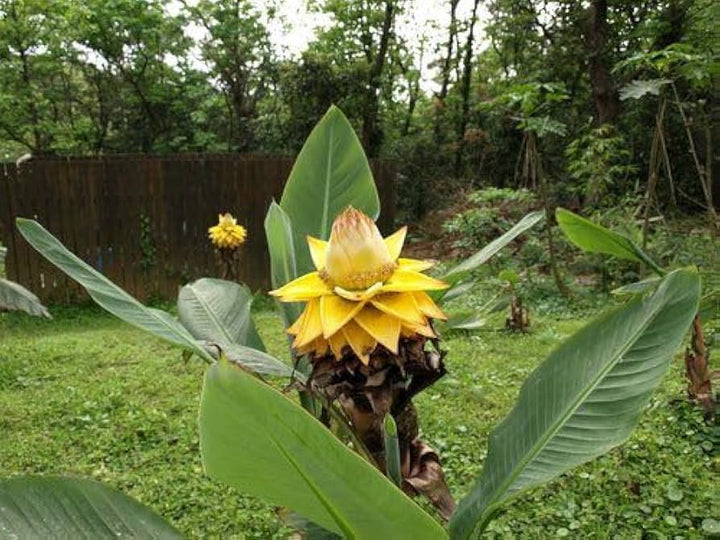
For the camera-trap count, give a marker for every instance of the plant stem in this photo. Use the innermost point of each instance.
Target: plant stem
(542, 182)
(344, 423)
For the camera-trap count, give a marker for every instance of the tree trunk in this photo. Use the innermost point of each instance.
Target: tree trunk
(242, 113)
(413, 91)
(446, 70)
(465, 90)
(605, 95)
(372, 133)
(539, 178)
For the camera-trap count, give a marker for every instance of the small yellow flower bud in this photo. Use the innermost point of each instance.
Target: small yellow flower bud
(357, 256)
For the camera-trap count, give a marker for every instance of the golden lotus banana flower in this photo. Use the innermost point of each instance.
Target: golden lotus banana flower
(363, 294)
(227, 234)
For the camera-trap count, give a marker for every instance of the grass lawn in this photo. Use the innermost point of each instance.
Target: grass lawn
(86, 394)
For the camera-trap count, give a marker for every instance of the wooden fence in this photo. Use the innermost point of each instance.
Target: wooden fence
(142, 220)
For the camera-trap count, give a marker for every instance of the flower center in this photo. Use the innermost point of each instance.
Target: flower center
(357, 280)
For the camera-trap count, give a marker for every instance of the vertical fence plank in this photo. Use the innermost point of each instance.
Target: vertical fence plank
(55, 281)
(29, 189)
(7, 222)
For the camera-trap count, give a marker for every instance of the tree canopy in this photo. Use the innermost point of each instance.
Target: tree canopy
(588, 85)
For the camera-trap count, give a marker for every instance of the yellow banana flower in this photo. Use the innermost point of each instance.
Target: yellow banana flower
(363, 294)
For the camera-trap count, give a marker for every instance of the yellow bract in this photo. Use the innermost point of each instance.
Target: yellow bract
(363, 293)
(227, 233)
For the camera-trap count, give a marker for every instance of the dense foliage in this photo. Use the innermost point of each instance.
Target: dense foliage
(566, 89)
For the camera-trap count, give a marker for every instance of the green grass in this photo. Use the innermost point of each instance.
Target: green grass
(85, 394)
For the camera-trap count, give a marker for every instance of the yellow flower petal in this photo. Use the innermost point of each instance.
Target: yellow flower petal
(336, 312)
(358, 296)
(295, 327)
(318, 347)
(322, 347)
(402, 281)
(414, 265)
(303, 288)
(382, 327)
(336, 343)
(401, 306)
(409, 330)
(427, 306)
(395, 242)
(318, 251)
(312, 324)
(360, 341)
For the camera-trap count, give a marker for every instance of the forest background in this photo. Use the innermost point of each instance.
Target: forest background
(610, 102)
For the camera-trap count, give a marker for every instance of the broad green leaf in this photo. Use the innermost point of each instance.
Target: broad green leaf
(254, 438)
(278, 231)
(57, 507)
(584, 399)
(457, 290)
(463, 321)
(218, 311)
(709, 309)
(310, 530)
(330, 173)
(260, 362)
(595, 238)
(637, 89)
(496, 245)
(108, 295)
(637, 287)
(279, 235)
(473, 320)
(15, 297)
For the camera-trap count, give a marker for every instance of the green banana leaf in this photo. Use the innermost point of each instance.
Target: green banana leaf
(464, 320)
(330, 173)
(595, 238)
(57, 507)
(458, 272)
(278, 231)
(637, 287)
(254, 438)
(259, 362)
(218, 311)
(15, 297)
(584, 399)
(709, 309)
(108, 295)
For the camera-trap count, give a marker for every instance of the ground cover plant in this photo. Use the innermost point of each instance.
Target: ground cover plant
(364, 348)
(122, 408)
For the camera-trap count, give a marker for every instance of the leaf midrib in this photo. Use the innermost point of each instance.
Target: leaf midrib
(328, 176)
(343, 525)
